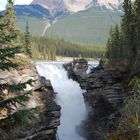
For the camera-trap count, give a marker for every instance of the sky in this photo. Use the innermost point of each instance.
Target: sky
(3, 3)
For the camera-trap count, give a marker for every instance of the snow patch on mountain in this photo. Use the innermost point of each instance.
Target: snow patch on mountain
(110, 4)
(77, 5)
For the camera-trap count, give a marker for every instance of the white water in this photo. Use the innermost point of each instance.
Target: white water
(69, 97)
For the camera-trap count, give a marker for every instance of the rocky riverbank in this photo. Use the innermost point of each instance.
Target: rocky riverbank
(44, 127)
(105, 93)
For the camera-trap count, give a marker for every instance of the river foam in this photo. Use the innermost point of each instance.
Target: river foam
(69, 97)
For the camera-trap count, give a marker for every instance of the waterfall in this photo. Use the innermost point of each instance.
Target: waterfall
(69, 97)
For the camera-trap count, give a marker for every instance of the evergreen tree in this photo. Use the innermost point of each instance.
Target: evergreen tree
(45, 48)
(128, 31)
(27, 41)
(109, 44)
(136, 49)
(137, 15)
(7, 51)
(114, 49)
(10, 20)
(121, 45)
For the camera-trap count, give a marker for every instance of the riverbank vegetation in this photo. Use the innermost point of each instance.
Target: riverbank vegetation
(123, 52)
(129, 123)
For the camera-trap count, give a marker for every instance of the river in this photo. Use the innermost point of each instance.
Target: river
(69, 97)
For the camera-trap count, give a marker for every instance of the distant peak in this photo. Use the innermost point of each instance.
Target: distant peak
(110, 4)
(52, 5)
(76, 5)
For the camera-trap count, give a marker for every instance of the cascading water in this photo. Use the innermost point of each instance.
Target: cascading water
(69, 97)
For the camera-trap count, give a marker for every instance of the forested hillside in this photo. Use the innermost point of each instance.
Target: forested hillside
(36, 26)
(46, 48)
(86, 27)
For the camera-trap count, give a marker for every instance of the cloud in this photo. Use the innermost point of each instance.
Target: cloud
(23, 1)
(3, 3)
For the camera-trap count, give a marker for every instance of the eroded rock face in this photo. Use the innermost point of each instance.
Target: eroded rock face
(107, 83)
(44, 127)
(105, 93)
(77, 71)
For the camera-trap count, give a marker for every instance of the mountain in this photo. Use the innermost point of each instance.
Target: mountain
(75, 6)
(63, 5)
(86, 27)
(80, 21)
(56, 9)
(39, 11)
(111, 4)
(36, 25)
(54, 6)
(33, 10)
(37, 16)
(87, 21)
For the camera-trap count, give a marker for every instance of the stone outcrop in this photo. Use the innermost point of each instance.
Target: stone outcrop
(44, 127)
(105, 93)
(106, 83)
(77, 70)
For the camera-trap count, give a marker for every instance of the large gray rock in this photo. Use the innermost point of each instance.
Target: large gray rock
(77, 71)
(46, 127)
(48, 119)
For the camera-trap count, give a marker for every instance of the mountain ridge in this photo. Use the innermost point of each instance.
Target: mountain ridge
(75, 6)
(56, 9)
(89, 27)
(86, 26)
(33, 10)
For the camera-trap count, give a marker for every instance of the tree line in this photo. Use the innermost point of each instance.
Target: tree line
(123, 46)
(47, 48)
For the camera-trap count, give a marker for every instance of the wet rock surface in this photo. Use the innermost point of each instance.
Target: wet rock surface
(105, 94)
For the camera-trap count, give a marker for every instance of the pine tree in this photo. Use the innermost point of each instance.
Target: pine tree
(128, 32)
(121, 44)
(8, 50)
(136, 50)
(10, 20)
(137, 15)
(109, 44)
(27, 41)
(114, 49)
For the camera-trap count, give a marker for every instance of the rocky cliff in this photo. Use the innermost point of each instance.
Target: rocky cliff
(48, 119)
(77, 71)
(105, 93)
